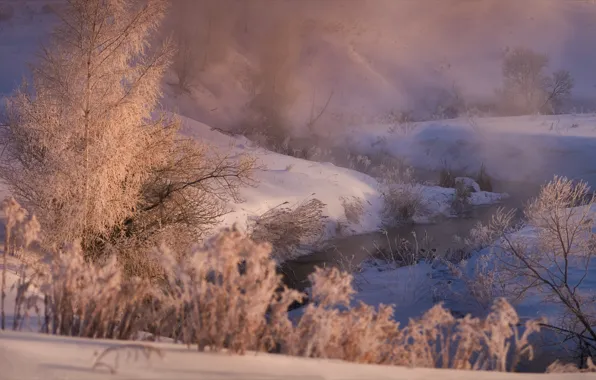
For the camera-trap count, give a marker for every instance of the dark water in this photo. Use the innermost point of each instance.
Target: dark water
(347, 252)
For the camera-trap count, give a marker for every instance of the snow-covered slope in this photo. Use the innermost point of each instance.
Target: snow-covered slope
(26, 356)
(287, 179)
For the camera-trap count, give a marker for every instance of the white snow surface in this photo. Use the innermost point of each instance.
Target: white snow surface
(26, 356)
(293, 180)
(517, 149)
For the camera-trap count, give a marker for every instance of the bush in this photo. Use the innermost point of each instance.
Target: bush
(227, 295)
(402, 252)
(290, 230)
(79, 298)
(353, 209)
(403, 123)
(461, 198)
(401, 203)
(330, 328)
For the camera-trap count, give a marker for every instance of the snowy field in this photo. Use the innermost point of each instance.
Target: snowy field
(27, 356)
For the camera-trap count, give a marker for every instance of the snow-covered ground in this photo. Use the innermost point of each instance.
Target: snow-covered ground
(518, 149)
(26, 356)
(293, 180)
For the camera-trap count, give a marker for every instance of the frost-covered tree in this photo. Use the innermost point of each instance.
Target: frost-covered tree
(85, 148)
(79, 136)
(526, 86)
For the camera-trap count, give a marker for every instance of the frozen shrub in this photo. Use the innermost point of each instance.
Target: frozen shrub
(223, 294)
(461, 198)
(181, 203)
(353, 209)
(390, 170)
(483, 286)
(82, 299)
(439, 340)
(17, 228)
(79, 298)
(559, 367)
(290, 230)
(557, 261)
(330, 328)
(401, 122)
(402, 252)
(359, 163)
(401, 203)
(226, 294)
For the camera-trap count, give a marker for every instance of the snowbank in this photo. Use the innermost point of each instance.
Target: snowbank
(294, 180)
(33, 356)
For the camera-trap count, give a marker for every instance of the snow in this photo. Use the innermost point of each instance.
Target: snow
(534, 303)
(516, 149)
(294, 180)
(34, 356)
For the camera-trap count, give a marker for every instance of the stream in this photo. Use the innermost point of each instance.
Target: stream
(348, 252)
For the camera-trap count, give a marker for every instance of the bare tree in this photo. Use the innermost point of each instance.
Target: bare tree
(558, 262)
(558, 88)
(527, 88)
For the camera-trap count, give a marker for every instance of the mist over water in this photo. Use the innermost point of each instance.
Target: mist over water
(381, 55)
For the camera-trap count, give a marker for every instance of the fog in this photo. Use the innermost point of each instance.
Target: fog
(373, 56)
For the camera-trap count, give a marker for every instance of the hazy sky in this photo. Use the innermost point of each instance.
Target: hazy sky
(377, 55)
